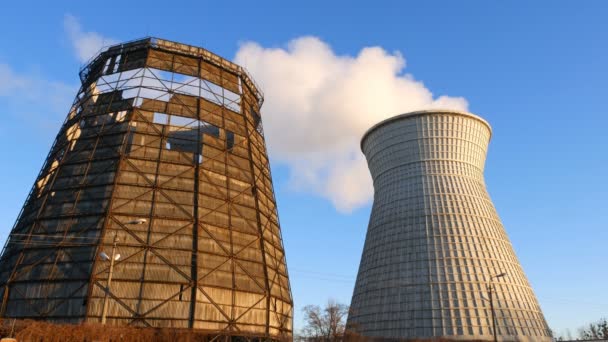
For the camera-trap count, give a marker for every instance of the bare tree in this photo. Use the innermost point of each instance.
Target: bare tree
(324, 324)
(595, 330)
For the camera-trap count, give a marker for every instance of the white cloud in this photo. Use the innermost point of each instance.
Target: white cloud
(32, 98)
(29, 93)
(318, 105)
(85, 44)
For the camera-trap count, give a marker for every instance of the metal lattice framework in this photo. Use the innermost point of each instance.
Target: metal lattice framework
(163, 149)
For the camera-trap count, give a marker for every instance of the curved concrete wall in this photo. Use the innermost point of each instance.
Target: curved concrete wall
(434, 238)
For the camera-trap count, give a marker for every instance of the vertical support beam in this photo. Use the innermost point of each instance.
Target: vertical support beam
(4, 300)
(257, 214)
(232, 324)
(150, 222)
(194, 261)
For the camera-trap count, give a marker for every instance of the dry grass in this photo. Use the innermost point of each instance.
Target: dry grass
(28, 330)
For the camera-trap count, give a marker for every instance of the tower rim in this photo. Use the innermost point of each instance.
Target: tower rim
(175, 48)
(421, 113)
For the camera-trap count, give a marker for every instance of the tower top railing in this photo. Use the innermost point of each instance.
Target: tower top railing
(184, 49)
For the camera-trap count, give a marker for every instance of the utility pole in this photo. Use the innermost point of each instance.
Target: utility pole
(105, 298)
(492, 310)
(490, 292)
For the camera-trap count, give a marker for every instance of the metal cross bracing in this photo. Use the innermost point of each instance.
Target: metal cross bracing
(175, 141)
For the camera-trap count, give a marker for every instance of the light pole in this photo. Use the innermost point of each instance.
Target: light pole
(490, 288)
(112, 258)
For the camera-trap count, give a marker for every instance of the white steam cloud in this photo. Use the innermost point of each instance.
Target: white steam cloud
(85, 44)
(319, 104)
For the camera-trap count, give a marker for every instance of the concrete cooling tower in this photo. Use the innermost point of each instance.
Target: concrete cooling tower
(437, 262)
(155, 206)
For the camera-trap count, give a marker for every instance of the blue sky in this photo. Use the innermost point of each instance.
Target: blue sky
(536, 71)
